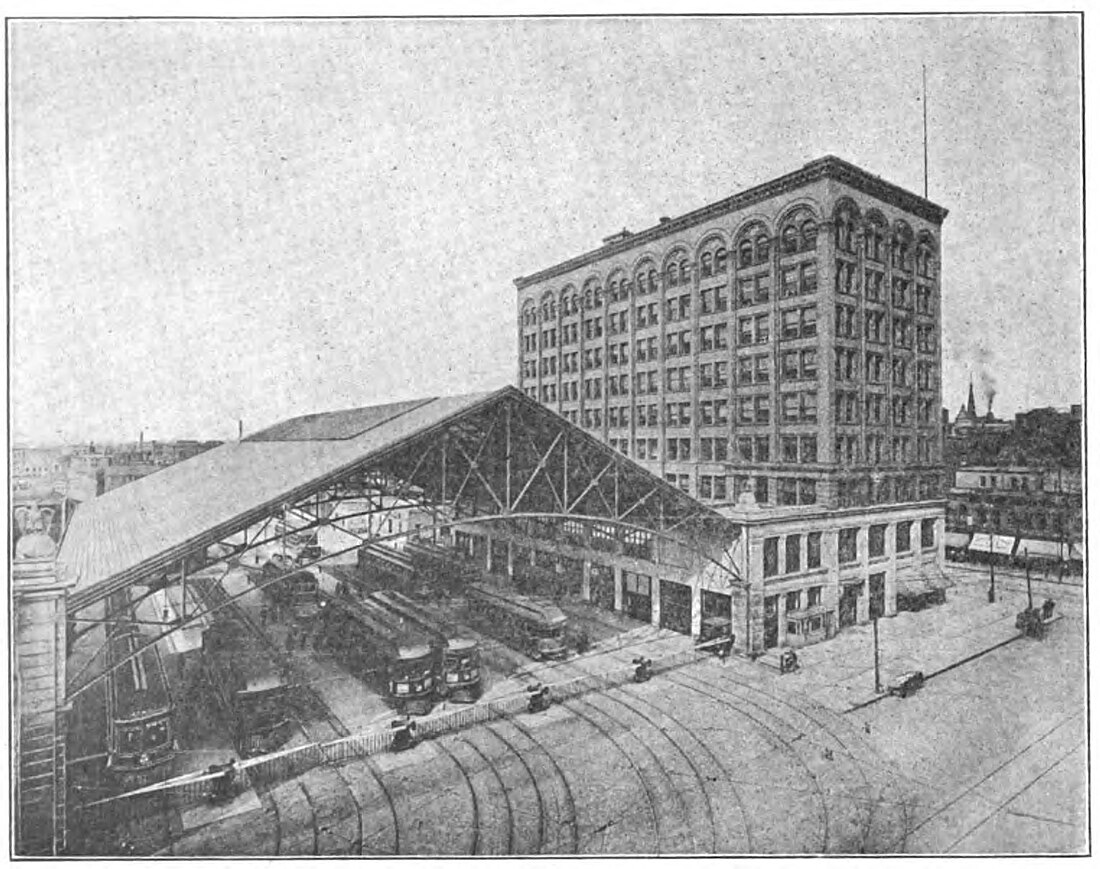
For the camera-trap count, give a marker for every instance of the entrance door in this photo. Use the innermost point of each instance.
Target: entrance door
(771, 621)
(602, 589)
(877, 601)
(849, 602)
(676, 606)
(637, 599)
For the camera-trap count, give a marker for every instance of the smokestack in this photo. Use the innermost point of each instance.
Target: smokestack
(240, 429)
(141, 440)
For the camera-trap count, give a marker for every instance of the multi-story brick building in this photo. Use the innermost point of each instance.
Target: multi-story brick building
(782, 344)
(787, 335)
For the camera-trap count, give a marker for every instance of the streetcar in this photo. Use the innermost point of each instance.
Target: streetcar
(380, 565)
(536, 627)
(140, 741)
(298, 592)
(458, 659)
(383, 649)
(247, 683)
(438, 566)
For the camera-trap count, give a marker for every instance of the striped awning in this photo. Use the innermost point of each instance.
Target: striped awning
(1001, 545)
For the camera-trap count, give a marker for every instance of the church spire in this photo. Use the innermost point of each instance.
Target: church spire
(970, 399)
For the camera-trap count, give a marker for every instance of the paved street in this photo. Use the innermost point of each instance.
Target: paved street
(729, 757)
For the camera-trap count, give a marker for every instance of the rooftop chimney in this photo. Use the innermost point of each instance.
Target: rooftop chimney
(623, 234)
(665, 219)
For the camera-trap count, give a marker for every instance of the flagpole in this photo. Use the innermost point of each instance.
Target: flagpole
(924, 106)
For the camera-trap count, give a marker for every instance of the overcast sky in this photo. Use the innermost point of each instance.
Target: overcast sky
(257, 220)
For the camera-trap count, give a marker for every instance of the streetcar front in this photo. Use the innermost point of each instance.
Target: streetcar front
(411, 679)
(549, 640)
(461, 670)
(261, 713)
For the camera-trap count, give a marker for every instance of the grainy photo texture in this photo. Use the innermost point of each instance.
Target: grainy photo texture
(546, 436)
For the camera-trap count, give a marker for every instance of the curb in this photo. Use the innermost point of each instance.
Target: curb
(940, 671)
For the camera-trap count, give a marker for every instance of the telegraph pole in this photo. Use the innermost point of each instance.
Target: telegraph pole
(992, 590)
(1027, 573)
(878, 675)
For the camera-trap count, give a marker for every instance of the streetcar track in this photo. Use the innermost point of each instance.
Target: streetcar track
(504, 790)
(338, 770)
(700, 777)
(473, 794)
(566, 788)
(541, 838)
(646, 787)
(368, 765)
(312, 811)
(761, 723)
(985, 778)
(659, 764)
(818, 723)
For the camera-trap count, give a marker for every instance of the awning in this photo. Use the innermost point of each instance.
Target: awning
(955, 540)
(802, 615)
(1001, 545)
(1077, 553)
(1039, 549)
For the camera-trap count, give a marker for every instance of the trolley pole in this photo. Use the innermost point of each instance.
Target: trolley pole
(878, 675)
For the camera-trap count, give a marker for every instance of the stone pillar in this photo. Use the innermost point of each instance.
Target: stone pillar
(618, 589)
(696, 609)
(655, 598)
(586, 580)
(781, 617)
(488, 554)
(40, 711)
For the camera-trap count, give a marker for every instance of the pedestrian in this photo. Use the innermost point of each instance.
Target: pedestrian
(290, 639)
(866, 726)
(265, 615)
(828, 754)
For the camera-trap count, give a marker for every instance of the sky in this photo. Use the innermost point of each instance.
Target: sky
(223, 220)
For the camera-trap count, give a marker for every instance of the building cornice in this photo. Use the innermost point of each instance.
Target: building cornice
(824, 168)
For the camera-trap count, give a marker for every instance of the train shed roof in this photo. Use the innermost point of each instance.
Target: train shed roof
(495, 452)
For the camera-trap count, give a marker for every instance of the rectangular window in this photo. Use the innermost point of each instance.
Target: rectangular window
(790, 406)
(745, 412)
(903, 536)
(788, 448)
(876, 541)
(788, 283)
(762, 329)
(762, 407)
(808, 449)
(790, 365)
(788, 492)
(763, 451)
(771, 556)
(928, 532)
(790, 324)
(813, 551)
(761, 493)
(808, 278)
(763, 369)
(744, 449)
(794, 547)
(847, 545)
(807, 491)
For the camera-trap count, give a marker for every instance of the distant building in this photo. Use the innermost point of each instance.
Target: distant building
(1013, 511)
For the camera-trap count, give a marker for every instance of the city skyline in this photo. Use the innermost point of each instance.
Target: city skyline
(290, 232)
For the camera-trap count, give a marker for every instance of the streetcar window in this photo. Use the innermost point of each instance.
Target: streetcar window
(156, 734)
(129, 740)
(552, 632)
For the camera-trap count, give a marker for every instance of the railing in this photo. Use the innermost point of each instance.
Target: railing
(187, 790)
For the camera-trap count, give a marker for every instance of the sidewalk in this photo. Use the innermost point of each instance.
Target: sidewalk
(839, 673)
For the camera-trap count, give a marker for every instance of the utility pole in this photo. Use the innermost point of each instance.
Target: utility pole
(992, 589)
(1027, 574)
(878, 676)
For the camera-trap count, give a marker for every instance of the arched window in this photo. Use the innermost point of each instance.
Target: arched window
(599, 297)
(762, 244)
(588, 300)
(576, 302)
(789, 240)
(685, 272)
(809, 235)
(673, 275)
(744, 254)
(720, 260)
(652, 280)
(553, 310)
(705, 265)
